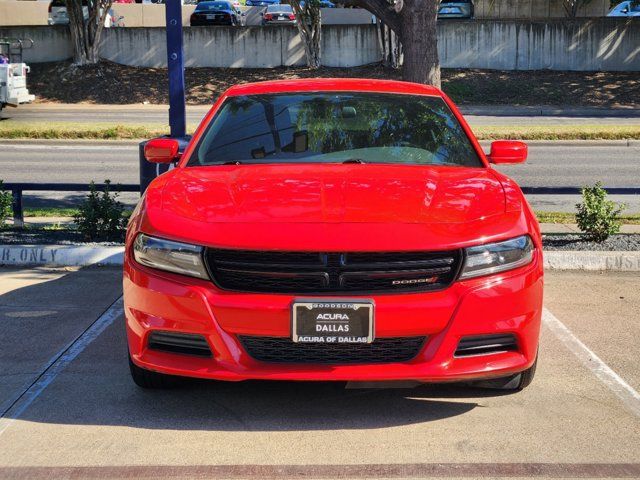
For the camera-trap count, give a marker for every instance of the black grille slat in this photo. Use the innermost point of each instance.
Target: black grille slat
(486, 344)
(186, 343)
(284, 350)
(331, 273)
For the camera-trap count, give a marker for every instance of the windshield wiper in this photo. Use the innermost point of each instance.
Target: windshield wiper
(353, 160)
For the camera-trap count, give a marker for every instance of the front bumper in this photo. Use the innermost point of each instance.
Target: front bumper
(510, 302)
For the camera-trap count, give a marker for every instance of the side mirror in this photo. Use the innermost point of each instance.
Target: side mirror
(162, 150)
(508, 151)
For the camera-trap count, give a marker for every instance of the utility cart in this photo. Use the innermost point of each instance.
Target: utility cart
(13, 72)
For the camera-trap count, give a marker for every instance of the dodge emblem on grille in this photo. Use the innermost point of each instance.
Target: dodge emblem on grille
(414, 280)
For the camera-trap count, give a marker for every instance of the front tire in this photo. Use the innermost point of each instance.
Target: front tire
(514, 383)
(147, 379)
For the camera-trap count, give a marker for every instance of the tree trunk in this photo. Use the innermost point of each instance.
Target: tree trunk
(77, 31)
(419, 41)
(310, 30)
(86, 33)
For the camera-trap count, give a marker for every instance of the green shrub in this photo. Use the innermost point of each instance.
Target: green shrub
(100, 215)
(598, 217)
(6, 201)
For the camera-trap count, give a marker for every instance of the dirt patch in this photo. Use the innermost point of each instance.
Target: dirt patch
(111, 83)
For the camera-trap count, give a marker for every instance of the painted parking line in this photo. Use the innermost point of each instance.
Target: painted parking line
(59, 362)
(629, 396)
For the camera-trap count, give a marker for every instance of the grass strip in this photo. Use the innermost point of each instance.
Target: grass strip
(70, 131)
(563, 217)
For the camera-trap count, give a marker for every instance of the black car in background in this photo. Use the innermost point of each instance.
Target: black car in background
(280, 14)
(219, 12)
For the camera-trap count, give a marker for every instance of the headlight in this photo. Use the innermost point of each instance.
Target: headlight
(497, 257)
(168, 255)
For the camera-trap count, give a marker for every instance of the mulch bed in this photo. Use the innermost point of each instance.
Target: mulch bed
(615, 243)
(111, 83)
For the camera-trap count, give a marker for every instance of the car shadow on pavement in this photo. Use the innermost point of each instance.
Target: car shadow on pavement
(96, 389)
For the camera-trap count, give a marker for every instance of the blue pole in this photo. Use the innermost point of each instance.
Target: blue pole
(175, 63)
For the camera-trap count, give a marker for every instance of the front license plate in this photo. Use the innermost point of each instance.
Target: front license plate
(332, 321)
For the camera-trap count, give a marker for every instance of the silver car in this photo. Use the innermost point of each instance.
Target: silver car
(456, 9)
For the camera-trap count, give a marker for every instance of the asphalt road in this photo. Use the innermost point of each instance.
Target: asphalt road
(69, 409)
(158, 115)
(564, 164)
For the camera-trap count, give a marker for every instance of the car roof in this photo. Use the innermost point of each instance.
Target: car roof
(332, 85)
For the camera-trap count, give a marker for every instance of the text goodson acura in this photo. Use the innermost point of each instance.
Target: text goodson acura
(333, 229)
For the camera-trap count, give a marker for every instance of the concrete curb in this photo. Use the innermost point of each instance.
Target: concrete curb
(592, 261)
(82, 256)
(60, 255)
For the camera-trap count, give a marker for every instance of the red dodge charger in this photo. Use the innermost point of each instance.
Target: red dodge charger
(333, 229)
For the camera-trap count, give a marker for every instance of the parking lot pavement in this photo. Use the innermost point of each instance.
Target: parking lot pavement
(92, 422)
(603, 310)
(41, 312)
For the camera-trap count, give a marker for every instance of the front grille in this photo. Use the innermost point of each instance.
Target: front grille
(284, 350)
(486, 344)
(185, 343)
(312, 272)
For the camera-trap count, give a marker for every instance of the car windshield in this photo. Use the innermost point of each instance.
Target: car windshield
(279, 8)
(213, 6)
(335, 127)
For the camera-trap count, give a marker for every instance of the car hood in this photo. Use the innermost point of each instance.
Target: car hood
(332, 193)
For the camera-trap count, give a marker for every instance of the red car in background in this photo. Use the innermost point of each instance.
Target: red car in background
(333, 229)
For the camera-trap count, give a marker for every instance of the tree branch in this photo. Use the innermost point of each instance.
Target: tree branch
(381, 9)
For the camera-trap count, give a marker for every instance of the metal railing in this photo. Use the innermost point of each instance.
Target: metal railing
(18, 188)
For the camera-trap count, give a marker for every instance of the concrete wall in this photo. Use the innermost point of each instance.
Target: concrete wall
(23, 13)
(51, 44)
(588, 45)
(252, 47)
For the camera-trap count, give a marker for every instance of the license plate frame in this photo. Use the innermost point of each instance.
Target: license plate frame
(304, 326)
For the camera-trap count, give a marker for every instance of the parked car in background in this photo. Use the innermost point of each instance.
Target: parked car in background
(278, 15)
(625, 9)
(323, 4)
(58, 14)
(261, 3)
(219, 12)
(456, 9)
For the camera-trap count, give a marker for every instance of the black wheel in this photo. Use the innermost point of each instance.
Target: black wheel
(148, 379)
(515, 383)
